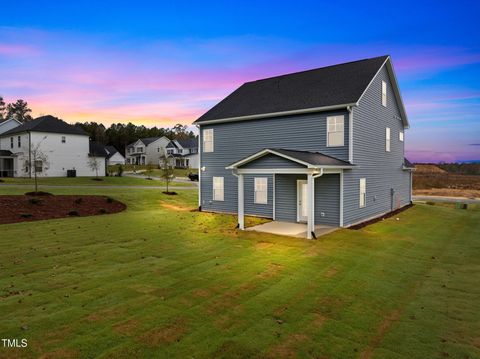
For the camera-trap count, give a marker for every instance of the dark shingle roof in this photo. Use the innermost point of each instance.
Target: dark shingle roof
(146, 141)
(326, 86)
(47, 124)
(188, 142)
(5, 153)
(408, 164)
(111, 150)
(311, 158)
(97, 149)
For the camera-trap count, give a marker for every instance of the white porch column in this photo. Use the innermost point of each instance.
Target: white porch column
(310, 206)
(241, 222)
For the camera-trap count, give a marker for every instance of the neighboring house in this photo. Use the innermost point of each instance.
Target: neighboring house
(114, 157)
(65, 146)
(7, 125)
(146, 150)
(185, 152)
(98, 153)
(324, 146)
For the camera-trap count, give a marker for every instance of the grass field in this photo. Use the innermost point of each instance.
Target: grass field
(161, 281)
(88, 181)
(177, 172)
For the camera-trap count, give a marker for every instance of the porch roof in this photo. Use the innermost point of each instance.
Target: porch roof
(305, 158)
(5, 153)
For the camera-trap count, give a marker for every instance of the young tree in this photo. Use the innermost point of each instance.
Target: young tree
(37, 162)
(149, 170)
(19, 111)
(166, 169)
(94, 164)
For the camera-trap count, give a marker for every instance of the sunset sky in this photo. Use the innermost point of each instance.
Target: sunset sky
(157, 63)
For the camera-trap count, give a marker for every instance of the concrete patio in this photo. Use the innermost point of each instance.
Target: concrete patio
(291, 229)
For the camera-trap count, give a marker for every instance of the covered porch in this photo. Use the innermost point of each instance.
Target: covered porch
(6, 164)
(305, 191)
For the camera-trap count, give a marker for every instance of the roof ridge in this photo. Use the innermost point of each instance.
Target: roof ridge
(317, 68)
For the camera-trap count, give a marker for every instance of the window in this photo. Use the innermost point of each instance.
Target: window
(208, 140)
(158, 149)
(218, 188)
(363, 192)
(400, 136)
(11, 142)
(139, 149)
(335, 131)
(384, 93)
(38, 166)
(261, 186)
(387, 139)
(64, 139)
(19, 141)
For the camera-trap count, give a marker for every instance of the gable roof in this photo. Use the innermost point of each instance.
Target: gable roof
(188, 142)
(324, 88)
(97, 149)
(146, 141)
(111, 150)
(47, 124)
(407, 164)
(306, 158)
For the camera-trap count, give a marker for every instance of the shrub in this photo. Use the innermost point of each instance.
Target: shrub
(79, 200)
(26, 215)
(73, 212)
(103, 211)
(110, 200)
(120, 171)
(38, 193)
(35, 201)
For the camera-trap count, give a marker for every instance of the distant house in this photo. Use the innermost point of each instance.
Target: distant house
(185, 152)
(320, 147)
(66, 147)
(113, 156)
(146, 150)
(7, 125)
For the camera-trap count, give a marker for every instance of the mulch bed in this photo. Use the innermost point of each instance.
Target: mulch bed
(381, 218)
(15, 209)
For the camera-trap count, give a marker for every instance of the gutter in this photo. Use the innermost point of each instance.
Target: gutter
(275, 114)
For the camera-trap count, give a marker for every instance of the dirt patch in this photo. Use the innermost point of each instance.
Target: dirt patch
(201, 293)
(175, 207)
(15, 209)
(60, 354)
(263, 245)
(381, 218)
(331, 272)
(128, 327)
(318, 320)
(271, 271)
(382, 329)
(105, 314)
(288, 347)
(170, 333)
(448, 192)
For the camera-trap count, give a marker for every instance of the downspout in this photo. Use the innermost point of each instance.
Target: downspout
(313, 200)
(199, 168)
(350, 134)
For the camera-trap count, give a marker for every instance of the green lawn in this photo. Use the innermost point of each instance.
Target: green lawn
(161, 281)
(88, 181)
(178, 172)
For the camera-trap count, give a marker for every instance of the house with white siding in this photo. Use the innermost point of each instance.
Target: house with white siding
(64, 148)
(147, 150)
(319, 147)
(184, 152)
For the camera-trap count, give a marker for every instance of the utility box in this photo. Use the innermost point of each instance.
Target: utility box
(71, 173)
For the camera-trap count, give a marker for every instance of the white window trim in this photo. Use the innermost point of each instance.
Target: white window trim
(207, 138)
(401, 136)
(362, 194)
(217, 190)
(257, 183)
(384, 94)
(388, 139)
(335, 119)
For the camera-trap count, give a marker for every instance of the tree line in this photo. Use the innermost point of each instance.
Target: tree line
(118, 135)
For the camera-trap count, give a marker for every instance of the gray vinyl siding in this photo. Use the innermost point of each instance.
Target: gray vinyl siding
(382, 170)
(236, 140)
(272, 161)
(327, 198)
(262, 210)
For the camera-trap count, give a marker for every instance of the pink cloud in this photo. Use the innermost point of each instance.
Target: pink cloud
(17, 50)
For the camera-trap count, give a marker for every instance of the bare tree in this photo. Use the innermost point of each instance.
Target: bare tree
(149, 170)
(166, 169)
(94, 165)
(37, 162)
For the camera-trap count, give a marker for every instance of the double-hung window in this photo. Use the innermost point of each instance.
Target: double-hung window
(335, 128)
(387, 139)
(400, 136)
(64, 139)
(11, 142)
(208, 140)
(261, 190)
(218, 192)
(363, 192)
(19, 141)
(384, 93)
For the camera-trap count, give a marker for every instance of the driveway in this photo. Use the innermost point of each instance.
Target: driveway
(446, 199)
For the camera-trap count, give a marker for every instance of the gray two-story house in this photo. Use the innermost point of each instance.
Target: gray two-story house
(324, 146)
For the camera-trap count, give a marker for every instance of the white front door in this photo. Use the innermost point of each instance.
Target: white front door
(301, 200)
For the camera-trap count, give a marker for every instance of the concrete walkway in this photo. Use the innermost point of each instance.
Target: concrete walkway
(446, 199)
(291, 229)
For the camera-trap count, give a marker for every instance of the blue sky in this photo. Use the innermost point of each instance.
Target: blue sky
(157, 63)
